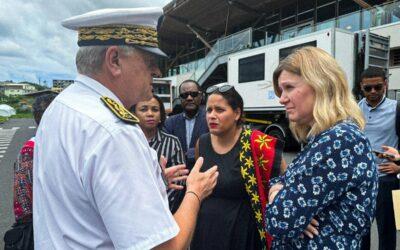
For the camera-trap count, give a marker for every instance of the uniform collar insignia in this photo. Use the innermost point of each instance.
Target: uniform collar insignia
(120, 110)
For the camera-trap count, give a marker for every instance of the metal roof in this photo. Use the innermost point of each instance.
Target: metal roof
(209, 18)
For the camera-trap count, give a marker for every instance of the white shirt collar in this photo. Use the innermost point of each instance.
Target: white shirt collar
(96, 87)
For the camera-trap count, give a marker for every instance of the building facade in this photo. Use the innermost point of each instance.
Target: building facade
(59, 85)
(16, 89)
(199, 34)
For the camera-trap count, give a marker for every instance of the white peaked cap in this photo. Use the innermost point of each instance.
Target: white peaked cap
(140, 25)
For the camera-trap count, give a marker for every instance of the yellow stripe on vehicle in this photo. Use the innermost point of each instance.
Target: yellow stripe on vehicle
(258, 121)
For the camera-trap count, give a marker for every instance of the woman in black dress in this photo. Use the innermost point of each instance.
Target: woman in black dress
(229, 218)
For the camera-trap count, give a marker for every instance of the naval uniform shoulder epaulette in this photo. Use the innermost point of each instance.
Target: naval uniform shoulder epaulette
(120, 111)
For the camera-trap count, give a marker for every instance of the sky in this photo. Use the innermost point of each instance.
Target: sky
(35, 47)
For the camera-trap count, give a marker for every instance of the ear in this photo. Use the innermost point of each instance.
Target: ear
(238, 114)
(112, 61)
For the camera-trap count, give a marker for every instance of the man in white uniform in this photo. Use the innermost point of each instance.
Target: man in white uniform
(97, 183)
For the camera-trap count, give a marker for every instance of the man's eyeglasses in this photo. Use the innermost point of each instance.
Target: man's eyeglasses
(220, 89)
(189, 93)
(368, 88)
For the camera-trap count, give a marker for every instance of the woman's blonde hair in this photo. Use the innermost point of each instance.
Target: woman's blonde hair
(334, 101)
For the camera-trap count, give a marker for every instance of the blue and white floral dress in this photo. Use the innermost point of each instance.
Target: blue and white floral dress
(334, 180)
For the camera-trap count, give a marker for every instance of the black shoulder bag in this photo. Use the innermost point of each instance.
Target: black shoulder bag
(19, 237)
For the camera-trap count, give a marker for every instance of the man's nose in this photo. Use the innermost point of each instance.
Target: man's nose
(190, 97)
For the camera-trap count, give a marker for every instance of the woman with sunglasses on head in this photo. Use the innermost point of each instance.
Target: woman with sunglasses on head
(334, 178)
(233, 216)
(152, 115)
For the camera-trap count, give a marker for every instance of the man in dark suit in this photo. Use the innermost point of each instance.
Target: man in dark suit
(189, 125)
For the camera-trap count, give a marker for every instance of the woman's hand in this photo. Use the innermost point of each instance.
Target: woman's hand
(273, 191)
(174, 174)
(311, 230)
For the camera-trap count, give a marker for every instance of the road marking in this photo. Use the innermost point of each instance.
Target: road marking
(6, 136)
(32, 127)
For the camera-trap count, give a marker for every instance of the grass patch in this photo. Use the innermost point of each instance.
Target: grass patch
(3, 119)
(22, 115)
(16, 116)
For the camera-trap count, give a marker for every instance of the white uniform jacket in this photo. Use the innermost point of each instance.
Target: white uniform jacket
(97, 183)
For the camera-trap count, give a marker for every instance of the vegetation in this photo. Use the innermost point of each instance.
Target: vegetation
(21, 104)
(22, 115)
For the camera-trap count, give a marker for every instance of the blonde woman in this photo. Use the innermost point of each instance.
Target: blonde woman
(334, 178)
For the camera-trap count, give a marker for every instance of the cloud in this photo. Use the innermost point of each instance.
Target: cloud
(35, 47)
(10, 49)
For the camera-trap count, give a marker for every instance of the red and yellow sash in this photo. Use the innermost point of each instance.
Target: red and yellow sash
(259, 154)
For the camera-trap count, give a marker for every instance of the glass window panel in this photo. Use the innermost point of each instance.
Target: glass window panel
(284, 52)
(288, 22)
(394, 12)
(350, 22)
(394, 57)
(288, 10)
(272, 33)
(305, 5)
(377, 17)
(252, 68)
(366, 19)
(272, 37)
(326, 13)
(323, 2)
(272, 18)
(346, 7)
(289, 33)
(304, 30)
(325, 25)
(306, 16)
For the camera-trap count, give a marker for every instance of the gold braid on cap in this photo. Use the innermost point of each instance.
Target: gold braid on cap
(118, 35)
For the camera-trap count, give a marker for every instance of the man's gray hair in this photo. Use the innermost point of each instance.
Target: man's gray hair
(89, 59)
